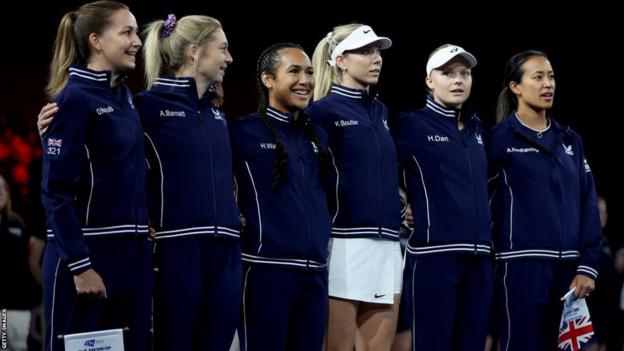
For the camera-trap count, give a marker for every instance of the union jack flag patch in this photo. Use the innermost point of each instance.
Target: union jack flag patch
(54, 146)
(55, 142)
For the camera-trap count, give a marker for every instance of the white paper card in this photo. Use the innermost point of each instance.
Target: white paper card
(101, 340)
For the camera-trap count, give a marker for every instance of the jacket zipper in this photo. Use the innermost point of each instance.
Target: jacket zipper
(378, 143)
(474, 194)
(556, 184)
(305, 193)
(212, 169)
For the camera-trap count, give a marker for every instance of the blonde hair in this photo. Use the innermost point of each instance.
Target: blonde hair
(324, 74)
(71, 46)
(165, 55)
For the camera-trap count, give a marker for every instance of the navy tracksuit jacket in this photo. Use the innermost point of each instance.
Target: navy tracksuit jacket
(365, 202)
(448, 276)
(93, 191)
(546, 226)
(192, 207)
(285, 236)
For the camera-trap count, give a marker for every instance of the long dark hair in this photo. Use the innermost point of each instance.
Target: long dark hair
(267, 63)
(507, 100)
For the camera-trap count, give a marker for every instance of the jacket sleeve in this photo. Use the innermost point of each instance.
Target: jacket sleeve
(495, 157)
(234, 131)
(64, 151)
(401, 136)
(397, 131)
(154, 166)
(318, 116)
(590, 235)
(495, 146)
(332, 183)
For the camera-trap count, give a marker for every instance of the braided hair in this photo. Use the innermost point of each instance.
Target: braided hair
(267, 63)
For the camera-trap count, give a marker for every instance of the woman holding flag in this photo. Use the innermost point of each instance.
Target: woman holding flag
(546, 228)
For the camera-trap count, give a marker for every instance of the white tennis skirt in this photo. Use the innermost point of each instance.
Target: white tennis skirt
(365, 269)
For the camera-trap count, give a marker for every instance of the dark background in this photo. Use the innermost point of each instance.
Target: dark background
(580, 40)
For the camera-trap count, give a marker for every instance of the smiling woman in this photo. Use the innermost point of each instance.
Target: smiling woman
(189, 185)
(280, 161)
(96, 134)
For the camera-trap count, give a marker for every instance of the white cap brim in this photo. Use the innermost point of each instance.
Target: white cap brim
(448, 53)
(359, 38)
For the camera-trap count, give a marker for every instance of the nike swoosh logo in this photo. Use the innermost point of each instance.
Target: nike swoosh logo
(378, 296)
(366, 31)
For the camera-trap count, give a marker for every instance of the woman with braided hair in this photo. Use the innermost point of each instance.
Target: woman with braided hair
(280, 163)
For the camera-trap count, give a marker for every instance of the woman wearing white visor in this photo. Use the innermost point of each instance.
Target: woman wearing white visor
(443, 169)
(365, 261)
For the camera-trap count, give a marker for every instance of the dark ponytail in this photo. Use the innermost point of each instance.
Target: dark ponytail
(507, 100)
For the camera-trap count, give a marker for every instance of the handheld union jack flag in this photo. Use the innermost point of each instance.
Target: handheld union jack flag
(576, 328)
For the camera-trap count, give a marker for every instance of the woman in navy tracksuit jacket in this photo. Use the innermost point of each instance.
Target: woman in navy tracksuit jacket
(278, 154)
(198, 286)
(365, 260)
(97, 265)
(444, 173)
(545, 217)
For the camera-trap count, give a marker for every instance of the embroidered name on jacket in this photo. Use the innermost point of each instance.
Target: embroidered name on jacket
(102, 110)
(267, 146)
(167, 113)
(346, 123)
(522, 150)
(438, 138)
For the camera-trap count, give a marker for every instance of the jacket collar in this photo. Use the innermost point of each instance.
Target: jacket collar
(513, 121)
(467, 115)
(562, 133)
(440, 109)
(181, 85)
(350, 93)
(83, 74)
(284, 117)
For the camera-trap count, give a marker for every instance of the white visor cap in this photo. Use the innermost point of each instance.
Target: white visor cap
(446, 54)
(360, 37)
